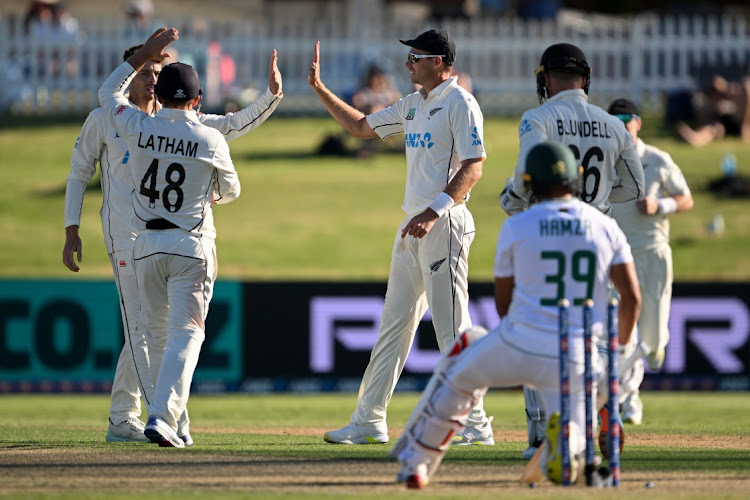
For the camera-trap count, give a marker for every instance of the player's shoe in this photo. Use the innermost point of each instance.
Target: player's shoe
(477, 435)
(187, 439)
(358, 434)
(160, 432)
(554, 464)
(128, 431)
(632, 409)
(655, 359)
(529, 452)
(604, 432)
(415, 476)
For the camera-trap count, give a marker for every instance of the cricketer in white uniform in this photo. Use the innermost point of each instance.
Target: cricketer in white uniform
(612, 170)
(559, 248)
(179, 167)
(646, 226)
(98, 142)
(443, 126)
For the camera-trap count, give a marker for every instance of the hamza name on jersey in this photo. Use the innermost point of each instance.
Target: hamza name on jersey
(168, 145)
(562, 227)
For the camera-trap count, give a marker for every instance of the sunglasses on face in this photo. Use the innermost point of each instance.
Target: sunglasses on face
(412, 58)
(626, 118)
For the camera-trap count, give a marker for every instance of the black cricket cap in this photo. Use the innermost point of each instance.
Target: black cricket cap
(436, 42)
(565, 58)
(178, 82)
(623, 107)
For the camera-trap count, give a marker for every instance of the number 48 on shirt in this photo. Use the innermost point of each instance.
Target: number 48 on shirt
(173, 185)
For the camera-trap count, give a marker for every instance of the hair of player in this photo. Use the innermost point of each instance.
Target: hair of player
(565, 77)
(176, 103)
(129, 52)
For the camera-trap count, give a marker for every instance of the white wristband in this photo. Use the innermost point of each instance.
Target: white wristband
(442, 203)
(667, 205)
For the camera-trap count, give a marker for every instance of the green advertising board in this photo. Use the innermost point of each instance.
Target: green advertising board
(72, 331)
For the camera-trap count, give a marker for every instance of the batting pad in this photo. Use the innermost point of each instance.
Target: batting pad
(435, 433)
(446, 361)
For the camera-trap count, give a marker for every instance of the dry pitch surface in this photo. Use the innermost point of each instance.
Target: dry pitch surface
(120, 469)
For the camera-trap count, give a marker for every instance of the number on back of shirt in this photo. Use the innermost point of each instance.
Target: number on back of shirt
(172, 195)
(592, 176)
(580, 266)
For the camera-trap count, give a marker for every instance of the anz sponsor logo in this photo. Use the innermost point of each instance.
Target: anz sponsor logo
(477, 140)
(419, 140)
(524, 127)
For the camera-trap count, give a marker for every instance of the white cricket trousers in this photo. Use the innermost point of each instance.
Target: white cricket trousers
(510, 356)
(176, 273)
(133, 373)
(654, 269)
(425, 272)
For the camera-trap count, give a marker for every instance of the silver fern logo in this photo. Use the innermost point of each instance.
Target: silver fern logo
(436, 265)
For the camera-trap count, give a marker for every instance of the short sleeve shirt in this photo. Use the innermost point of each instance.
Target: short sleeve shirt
(440, 131)
(559, 249)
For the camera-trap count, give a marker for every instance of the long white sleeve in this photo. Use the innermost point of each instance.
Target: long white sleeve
(234, 125)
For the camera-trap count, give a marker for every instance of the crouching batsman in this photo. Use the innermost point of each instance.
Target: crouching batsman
(559, 248)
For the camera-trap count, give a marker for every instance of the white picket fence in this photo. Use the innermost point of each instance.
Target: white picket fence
(639, 57)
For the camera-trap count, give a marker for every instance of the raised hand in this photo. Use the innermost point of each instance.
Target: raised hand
(274, 75)
(160, 40)
(313, 77)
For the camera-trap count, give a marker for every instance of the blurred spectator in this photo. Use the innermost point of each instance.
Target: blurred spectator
(723, 109)
(50, 23)
(464, 80)
(138, 19)
(378, 91)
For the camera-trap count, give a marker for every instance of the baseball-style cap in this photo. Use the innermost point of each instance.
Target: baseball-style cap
(551, 163)
(566, 58)
(178, 82)
(623, 107)
(437, 42)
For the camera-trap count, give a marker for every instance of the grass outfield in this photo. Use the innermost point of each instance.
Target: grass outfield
(691, 445)
(306, 217)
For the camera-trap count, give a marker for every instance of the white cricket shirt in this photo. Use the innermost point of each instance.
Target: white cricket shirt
(612, 171)
(559, 249)
(99, 142)
(175, 161)
(440, 132)
(663, 179)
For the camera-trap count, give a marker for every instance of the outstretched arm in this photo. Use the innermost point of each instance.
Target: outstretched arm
(350, 118)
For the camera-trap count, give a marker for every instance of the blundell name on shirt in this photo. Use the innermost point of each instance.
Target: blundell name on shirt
(170, 145)
(583, 129)
(563, 227)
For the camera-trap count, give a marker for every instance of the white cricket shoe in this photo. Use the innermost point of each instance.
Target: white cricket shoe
(415, 476)
(632, 409)
(529, 452)
(161, 433)
(358, 434)
(187, 439)
(478, 435)
(128, 431)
